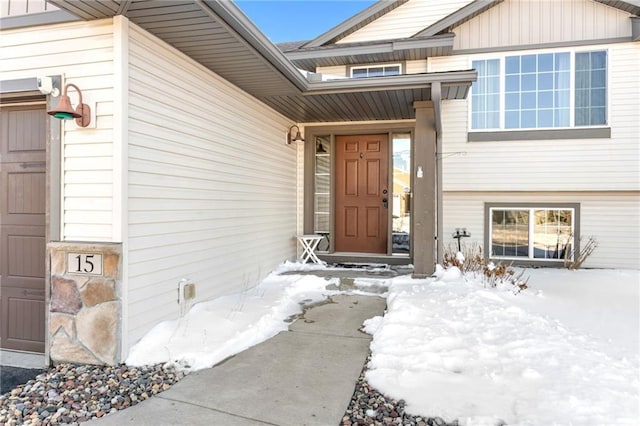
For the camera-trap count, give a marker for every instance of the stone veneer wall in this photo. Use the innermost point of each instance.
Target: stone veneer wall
(85, 311)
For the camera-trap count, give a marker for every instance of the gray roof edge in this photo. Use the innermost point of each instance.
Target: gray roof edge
(443, 40)
(629, 6)
(458, 17)
(479, 6)
(35, 19)
(405, 81)
(347, 27)
(242, 25)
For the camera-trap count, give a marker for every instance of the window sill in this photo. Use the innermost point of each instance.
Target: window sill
(529, 263)
(531, 135)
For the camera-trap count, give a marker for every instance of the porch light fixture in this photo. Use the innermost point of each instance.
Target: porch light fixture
(64, 110)
(296, 138)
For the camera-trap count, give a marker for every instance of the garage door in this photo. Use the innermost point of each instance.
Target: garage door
(22, 227)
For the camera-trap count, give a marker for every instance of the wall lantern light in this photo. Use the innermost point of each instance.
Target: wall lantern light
(296, 138)
(64, 110)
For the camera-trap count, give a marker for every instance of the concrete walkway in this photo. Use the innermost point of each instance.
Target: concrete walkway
(304, 376)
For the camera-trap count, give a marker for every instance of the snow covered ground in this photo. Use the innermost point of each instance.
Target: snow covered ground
(565, 351)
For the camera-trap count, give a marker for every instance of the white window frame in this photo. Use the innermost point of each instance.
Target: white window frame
(572, 51)
(530, 256)
(367, 67)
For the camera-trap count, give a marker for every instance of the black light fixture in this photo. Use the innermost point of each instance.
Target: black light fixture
(65, 111)
(296, 138)
(459, 234)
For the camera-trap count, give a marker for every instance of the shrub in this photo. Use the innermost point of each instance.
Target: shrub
(573, 260)
(471, 260)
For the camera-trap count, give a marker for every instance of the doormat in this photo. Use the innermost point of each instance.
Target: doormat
(377, 266)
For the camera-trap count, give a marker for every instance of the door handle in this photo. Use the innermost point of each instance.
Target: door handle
(385, 203)
(33, 164)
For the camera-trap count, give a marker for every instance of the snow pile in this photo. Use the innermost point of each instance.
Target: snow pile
(553, 354)
(565, 351)
(215, 330)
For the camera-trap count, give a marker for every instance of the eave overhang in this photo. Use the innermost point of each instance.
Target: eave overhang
(635, 28)
(356, 22)
(410, 49)
(458, 17)
(379, 98)
(629, 6)
(220, 37)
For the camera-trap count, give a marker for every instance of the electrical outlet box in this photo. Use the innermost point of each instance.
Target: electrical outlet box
(186, 291)
(189, 291)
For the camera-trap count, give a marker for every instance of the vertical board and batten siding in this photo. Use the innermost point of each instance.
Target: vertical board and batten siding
(526, 22)
(406, 20)
(212, 193)
(83, 54)
(612, 218)
(550, 165)
(24, 7)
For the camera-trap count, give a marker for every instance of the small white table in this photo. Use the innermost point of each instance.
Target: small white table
(309, 243)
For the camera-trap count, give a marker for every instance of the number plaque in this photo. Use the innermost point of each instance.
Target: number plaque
(84, 263)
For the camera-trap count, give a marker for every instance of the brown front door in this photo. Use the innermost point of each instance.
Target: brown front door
(362, 196)
(22, 227)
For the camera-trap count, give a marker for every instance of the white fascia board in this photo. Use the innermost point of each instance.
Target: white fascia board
(406, 81)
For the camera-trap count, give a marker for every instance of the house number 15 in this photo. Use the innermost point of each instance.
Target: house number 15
(84, 263)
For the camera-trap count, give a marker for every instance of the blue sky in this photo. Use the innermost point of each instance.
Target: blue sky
(293, 20)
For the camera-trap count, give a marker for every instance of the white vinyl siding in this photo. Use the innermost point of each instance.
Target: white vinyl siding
(416, 67)
(338, 71)
(83, 54)
(611, 218)
(406, 20)
(211, 184)
(24, 7)
(526, 22)
(549, 165)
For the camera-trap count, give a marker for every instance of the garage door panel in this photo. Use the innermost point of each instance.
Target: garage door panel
(23, 134)
(22, 227)
(23, 199)
(24, 312)
(26, 256)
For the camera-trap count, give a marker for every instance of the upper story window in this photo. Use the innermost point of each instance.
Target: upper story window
(534, 91)
(376, 71)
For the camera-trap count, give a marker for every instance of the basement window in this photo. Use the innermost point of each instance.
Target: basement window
(531, 233)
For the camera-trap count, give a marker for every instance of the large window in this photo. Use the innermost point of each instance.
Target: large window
(376, 71)
(545, 233)
(540, 91)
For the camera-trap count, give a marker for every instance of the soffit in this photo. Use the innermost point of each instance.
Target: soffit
(223, 39)
(629, 6)
(381, 98)
(197, 29)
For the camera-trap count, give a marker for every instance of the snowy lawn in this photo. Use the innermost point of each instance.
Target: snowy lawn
(565, 351)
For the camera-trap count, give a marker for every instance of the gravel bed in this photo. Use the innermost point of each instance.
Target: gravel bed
(370, 407)
(70, 393)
